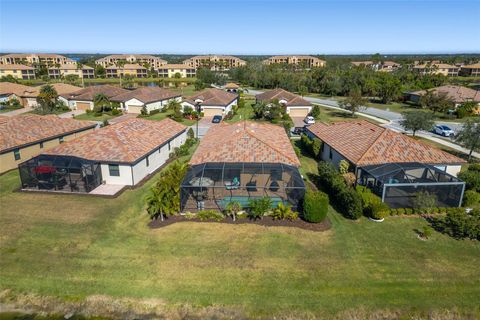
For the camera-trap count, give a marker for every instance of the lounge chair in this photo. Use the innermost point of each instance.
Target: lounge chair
(235, 184)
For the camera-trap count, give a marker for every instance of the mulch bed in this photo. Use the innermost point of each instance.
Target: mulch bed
(266, 222)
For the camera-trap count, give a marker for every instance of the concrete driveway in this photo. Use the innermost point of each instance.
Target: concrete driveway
(203, 125)
(298, 122)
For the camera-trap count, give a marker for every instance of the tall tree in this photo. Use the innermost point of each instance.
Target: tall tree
(389, 87)
(47, 99)
(469, 135)
(164, 197)
(417, 120)
(437, 102)
(354, 102)
(101, 102)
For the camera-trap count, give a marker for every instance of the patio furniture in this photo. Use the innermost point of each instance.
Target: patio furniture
(274, 186)
(234, 184)
(251, 186)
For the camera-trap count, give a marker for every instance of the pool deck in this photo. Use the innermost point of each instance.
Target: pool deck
(107, 189)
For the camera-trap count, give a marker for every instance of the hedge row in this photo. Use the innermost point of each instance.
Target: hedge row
(346, 199)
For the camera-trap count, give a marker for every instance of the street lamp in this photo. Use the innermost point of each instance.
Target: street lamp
(198, 108)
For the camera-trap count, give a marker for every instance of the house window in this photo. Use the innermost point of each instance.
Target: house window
(41, 145)
(148, 161)
(331, 154)
(61, 139)
(114, 170)
(16, 154)
(169, 146)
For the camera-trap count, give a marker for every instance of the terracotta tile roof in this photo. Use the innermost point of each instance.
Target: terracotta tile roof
(25, 129)
(128, 66)
(122, 142)
(15, 67)
(246, 142)
(280, 94)
(175, 66)
(88, 94)
(458, 94)
(19, 90)
(359, 63)
(473, 66)
(364, 143)
(70, 66)
(435, 65)
(61, 88)
(232, 85)
(146, 95)
(213, 97)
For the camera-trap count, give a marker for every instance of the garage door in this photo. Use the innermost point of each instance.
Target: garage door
(134, 109)
(212, 112)
(83, 106)
(299, 112)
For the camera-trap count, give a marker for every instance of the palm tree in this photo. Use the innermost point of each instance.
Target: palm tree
(47, 99)
(101, 102)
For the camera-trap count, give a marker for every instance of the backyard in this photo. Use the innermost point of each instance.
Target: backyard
(82, 247)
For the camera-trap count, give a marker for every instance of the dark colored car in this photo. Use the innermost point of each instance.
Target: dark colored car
(217, 119)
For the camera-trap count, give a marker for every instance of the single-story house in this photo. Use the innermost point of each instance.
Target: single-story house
(240, 162)
(457, 94)
(24, 136)
(118, 155)
(152, 98)
(27, 96)
(295, 105)
(384, 160)
(212, 101)
(83, 99)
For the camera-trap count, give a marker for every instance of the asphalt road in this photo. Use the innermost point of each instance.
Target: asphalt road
(393, 121)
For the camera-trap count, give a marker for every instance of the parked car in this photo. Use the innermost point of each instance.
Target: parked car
(309, 120)
(217, 119)
(443, 130)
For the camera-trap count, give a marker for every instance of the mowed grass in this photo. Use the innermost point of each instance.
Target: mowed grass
(76, 246)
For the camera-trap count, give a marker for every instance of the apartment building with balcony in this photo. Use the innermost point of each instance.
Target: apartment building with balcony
(437, 68)
(114, 59)
(303, 61)
(35, 58)
(176, 70)
(18, 71)
(130, 69)
(471, 70)
(64, 70)
(215, 62)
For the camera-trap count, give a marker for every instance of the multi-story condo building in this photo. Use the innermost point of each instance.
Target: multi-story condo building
(438, 68)
(133, 70)
(471, 70)
(18, 71)
(214, 62)
(176, 70)
(304, 61)
(64, 70)
(112, 60)
(35, 58)
(385, 66)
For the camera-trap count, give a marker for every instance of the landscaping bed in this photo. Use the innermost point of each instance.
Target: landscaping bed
(266, 222)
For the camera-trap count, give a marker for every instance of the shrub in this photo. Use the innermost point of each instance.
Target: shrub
(459, 224)
(190, 134)
(378, 211)
(311, 146)
(154, 112)
(471, 177)
(297, 151)
(424, 199)
(232, 208)
(210, 215)
(315, 112)
(284, 212)
(408, 211)
(315, 206)
(426, 232)
(401, 211)
(259, 207)
(343, 166)
(350, 204)
(115, 112)
(471, 198)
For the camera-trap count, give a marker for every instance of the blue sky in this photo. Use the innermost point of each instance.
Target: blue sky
(240, 27)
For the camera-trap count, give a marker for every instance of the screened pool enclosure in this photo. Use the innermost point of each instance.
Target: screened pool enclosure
(60, 173)
(398, 184)
(214, 185)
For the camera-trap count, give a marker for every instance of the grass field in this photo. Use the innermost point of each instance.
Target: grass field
(92, 117)
(74, 247)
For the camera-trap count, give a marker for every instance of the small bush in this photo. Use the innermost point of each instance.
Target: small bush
(210, 215)
(116, 112)
(471, 198)
(459, 224)
(401, 211)
(315, 206)
(426, 232)
(378, 211)
(408, 211)
(350, 204)
(190, 134)
(259, 207)
(284, 212)
(343, 166)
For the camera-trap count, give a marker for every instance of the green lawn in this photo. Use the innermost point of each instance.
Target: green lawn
(74, 247)
(163, 115)
(92, 117)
